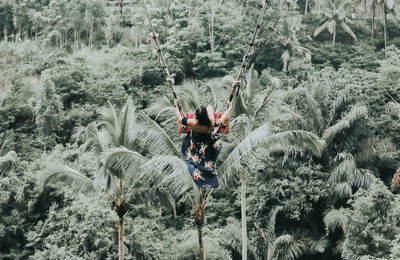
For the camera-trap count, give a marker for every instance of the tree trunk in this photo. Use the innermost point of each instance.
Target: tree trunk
(5, 35)
(121, 4)
(200, 234)
(121, 239)
(334, 38)
(91, 33)
(384, 26)
(306, 8)
(244, 219)
(199, 213)
(373, 19)
(211, 29)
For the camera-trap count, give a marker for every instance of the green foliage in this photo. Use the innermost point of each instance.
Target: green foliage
(60, 61)
(48, 110)
(84, 229)
(372, 223)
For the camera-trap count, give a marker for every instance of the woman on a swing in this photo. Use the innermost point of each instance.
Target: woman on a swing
(202, 145)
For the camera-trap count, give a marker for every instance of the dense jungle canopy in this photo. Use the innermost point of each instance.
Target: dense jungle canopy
(90, 161)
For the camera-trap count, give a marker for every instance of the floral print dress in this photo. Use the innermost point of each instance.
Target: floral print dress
(201, 151)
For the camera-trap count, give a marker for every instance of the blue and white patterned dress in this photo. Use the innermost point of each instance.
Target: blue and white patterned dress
(201, 151)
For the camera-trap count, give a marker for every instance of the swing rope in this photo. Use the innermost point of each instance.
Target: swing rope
(249, 52)
(170, 77)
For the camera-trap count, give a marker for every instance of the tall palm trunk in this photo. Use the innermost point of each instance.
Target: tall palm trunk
(334, 38)
(121, 238)
(244, 218)
(199, 213)
(121, 209)
(373, 19)
(384, 26)
(306, 8)
(121, 6)
(211, 29)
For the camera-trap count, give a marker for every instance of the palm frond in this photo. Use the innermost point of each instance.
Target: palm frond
(312, 106)
(362, 178)
(271, 236)
(266, 78)
(155, 137)
(369, 147)
(334, 219)
(331, 132)
(241, 125)
(110, 121)
(345, 168)
(270, 94)
(252, 82)
(231, 235)
(240, 105)
(128, 124)
(324, 26)
(70, 177)
(393, 108)
(295, 139)
(161, 108)
(96, 140)
(356, 113)
(124, 163)
(191, 94)
(285, 247)
(343, 190)
(170, 173)
(332, 26)
(338, 103)
(78, 134)
(297, 117)
(318, 246)
(348, 30)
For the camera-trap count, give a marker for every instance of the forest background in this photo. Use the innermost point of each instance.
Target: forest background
(326, 69)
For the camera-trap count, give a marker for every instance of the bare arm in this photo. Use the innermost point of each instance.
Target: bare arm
(189, 122)
(177, 113)
(210, 113)
(226, 114)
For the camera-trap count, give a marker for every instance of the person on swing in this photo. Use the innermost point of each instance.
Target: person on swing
(202, 145)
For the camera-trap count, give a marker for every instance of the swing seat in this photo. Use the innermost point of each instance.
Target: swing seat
(189, 115)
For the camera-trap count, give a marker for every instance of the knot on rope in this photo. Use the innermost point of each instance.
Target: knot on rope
(251, 50)
(236, 83)
(171, 79)
(153, 35)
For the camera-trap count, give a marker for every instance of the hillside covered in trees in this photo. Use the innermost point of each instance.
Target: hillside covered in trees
(90, 156)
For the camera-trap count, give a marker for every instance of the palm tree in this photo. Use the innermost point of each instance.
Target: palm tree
(286, 247)
(115, 129)
(394, 108)
(168, 170)
(336, 14)
(288, 39)
(387, 6)
(231, 236)
(335, 221)
(334, 121)
(251, 129)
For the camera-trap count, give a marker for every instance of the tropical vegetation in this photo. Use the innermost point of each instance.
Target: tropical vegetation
(90, 158)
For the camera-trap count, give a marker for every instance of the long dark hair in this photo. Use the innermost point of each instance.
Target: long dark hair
(202, 116)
